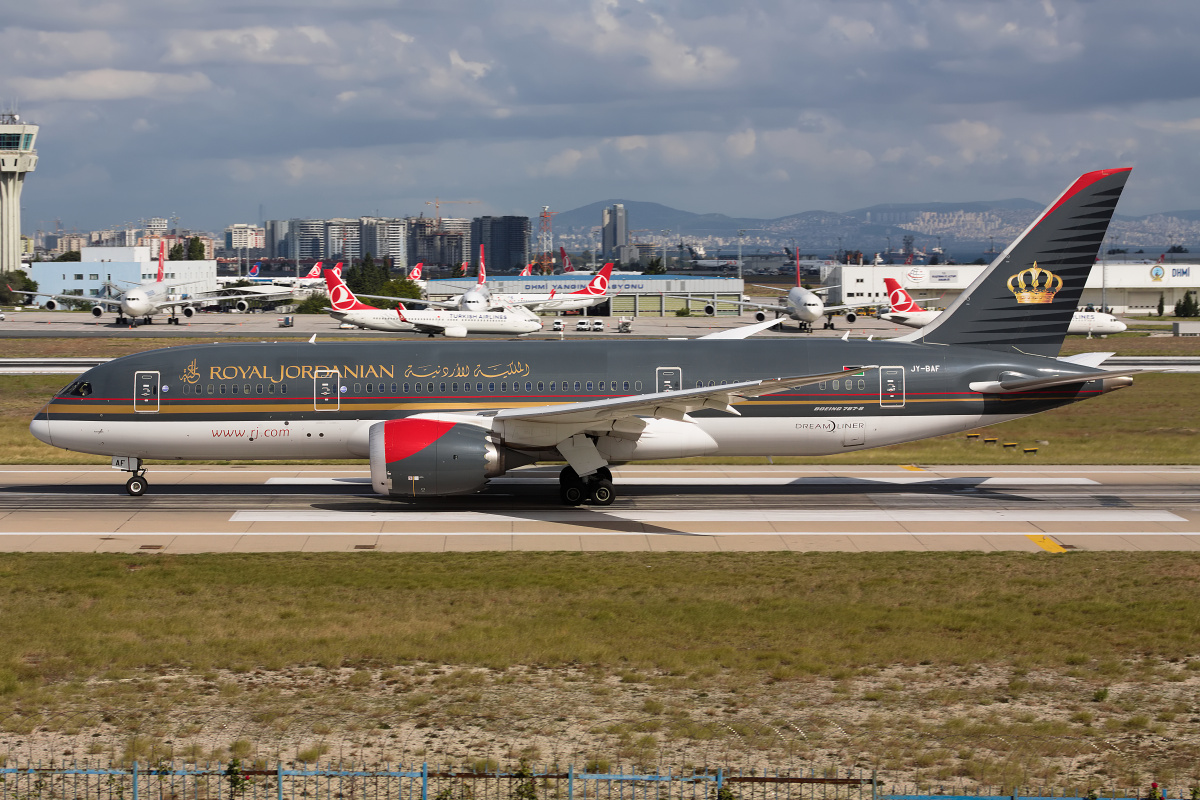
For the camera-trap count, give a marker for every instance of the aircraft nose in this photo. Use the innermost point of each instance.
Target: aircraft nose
(1121, 326)
(40, 427)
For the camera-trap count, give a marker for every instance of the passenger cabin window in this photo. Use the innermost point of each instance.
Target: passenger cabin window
(637, 386)
(235, 389)
(625, 386)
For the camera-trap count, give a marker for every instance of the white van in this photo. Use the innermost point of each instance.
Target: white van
(558, 325)
(583, 325)
(598, 326)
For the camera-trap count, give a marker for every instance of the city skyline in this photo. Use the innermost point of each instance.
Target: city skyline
(211, 112)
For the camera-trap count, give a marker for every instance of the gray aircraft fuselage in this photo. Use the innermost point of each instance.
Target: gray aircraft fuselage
(289, 400)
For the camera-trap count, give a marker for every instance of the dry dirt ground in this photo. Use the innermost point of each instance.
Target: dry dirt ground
(963, 728)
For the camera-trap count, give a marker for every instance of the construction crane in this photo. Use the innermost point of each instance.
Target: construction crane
(545, 259)
(437, 204)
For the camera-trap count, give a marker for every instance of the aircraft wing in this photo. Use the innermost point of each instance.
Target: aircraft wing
(740, 303)
(108, 302)
(743, 331)
(669, 405)
(1029, 384)
(241, 292)
(414, 300)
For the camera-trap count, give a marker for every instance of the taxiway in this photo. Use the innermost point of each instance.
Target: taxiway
(660, 508)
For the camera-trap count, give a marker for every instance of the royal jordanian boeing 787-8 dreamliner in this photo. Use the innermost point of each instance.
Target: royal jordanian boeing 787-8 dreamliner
(440, 418)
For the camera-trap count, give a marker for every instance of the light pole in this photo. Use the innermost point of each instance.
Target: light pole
(741, 235)
(666, 237)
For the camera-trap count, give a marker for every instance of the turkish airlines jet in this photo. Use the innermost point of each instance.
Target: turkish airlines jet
(595, 293)
(348, 309)
(905, 311)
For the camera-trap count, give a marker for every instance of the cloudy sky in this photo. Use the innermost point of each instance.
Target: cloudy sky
(320, 108)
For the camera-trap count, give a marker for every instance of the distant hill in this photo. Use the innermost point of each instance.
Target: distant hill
(654, 216)
(956, 225)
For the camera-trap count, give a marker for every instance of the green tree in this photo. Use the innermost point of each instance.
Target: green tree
(655, 266)
(70, 255)
(401, 288)
(176, 252)
(1160, 304)
(20, 282)
(315, 303)
(1187, 307)
(195, 249)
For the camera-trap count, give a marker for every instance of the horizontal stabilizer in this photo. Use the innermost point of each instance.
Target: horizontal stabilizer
(1031, 384)
(1093, 360)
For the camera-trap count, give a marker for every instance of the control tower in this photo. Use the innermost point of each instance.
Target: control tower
(17, 157)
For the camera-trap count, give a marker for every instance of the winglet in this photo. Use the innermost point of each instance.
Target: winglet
(313, 339)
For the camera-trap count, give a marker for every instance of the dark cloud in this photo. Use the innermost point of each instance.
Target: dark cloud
(763, 108)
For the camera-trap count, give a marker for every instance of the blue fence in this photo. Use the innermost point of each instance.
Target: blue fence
(236, 780)
(169, 781)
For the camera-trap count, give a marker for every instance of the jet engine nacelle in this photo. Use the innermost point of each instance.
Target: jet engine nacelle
(455, 332)
(242, 306)
(97, 311)
(760, 316)
(424, 457)
(52, 305)
(850, 317)
(189, 312)
(710, 310)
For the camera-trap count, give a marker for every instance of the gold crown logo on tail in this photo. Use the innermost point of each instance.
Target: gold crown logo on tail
(1034, 285)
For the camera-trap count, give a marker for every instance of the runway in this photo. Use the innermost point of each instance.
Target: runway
(659, 508)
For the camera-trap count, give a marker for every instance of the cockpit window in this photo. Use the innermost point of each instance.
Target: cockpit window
(77, 389)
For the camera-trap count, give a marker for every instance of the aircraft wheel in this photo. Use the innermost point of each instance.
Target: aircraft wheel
(602, 493)
(570, 487)
(605, 473)
(136, 486)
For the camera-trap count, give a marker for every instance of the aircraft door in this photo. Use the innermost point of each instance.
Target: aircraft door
(327, 389)
(891, 387)
(145, 392)
(669, 379)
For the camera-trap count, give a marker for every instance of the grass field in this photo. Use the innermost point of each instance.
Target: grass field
(1074, 670)
(779, 614)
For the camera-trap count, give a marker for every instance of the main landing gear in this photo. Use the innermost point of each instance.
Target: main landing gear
(596, 488)
(137, 485)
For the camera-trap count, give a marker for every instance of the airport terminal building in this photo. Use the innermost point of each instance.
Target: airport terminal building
(1128, 288)
(634, 295)
(122, 267)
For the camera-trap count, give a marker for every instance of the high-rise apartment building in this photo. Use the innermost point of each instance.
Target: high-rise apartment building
(385, 238)
(242, 236)
(306, 239)
(445, 242)
(505, 241)
(614, 231)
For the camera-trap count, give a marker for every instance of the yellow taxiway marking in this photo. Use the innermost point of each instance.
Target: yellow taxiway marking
(1046, 543)
(913, 468)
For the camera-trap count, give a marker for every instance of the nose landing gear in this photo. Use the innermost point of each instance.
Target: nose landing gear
(136, 485)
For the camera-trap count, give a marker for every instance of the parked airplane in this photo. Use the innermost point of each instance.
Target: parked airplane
(148, 299)
(348, 308)
(595, 293)
(806, 306)
(440, 418)
(905, 311)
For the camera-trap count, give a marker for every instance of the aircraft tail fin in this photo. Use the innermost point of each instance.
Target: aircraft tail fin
(415, 273)
(899, 298)
(162, 254)
(482, 269)
(315, 272)
(566, 260)
(1024, 300)
(599, 283)
(340, 296)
